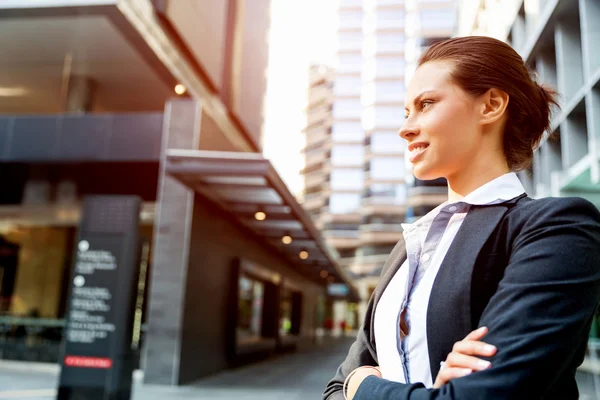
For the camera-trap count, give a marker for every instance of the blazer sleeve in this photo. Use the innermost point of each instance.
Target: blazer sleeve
(540, 316)
(361, 353)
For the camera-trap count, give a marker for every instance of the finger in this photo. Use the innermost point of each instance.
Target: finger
(447, 374)
(474, 348)
(458, 360)
(477, 334)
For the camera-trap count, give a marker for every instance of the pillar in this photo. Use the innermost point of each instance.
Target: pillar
(172, 232)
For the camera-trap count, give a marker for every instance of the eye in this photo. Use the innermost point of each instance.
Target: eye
(426, 103)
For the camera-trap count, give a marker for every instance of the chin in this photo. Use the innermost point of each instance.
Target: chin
(425, 173)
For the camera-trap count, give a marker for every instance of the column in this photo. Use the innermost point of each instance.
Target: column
(172, 231)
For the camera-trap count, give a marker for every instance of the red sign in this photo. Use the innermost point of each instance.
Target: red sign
(88, 362)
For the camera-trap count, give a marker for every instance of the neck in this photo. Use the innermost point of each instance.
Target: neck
(476, 175)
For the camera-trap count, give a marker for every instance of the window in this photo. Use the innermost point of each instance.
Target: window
(347, 179)
(383, 116)
(438, 18)
(349, 62)
(397, 193)
(389, 91)
(350, 40)
(347, 154)
(250, 308)
(347, 108)
(342, 203)
(387, 168)
(347, 85)
(347, 131)
(387, 142)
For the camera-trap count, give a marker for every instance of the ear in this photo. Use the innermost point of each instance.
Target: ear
(494, 103)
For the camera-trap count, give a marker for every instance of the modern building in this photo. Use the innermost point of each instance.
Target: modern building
(162, 100)
(557, 39)
(369, 189)
(492, 18)
(428, 22)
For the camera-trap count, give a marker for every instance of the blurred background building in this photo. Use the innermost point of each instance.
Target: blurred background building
(364, 189)
(557, 39)
(163, 100)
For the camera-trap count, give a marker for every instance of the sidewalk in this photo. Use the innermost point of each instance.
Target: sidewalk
(300, 375)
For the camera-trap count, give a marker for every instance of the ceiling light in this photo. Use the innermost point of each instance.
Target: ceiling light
(324, 274)
(304, 254)
(260, 216)
(12, 91)
(180, 89)
(287, 239)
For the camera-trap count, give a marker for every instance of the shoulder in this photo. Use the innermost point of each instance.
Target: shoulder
(573, 219)
(554, 210)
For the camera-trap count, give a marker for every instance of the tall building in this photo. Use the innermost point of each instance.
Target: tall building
(558, 40)
(555, 38)
(383, 89)
(161, 100)
(370, 190)
(428, 22)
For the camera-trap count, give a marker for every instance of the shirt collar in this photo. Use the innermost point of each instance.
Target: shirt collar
(499, 190)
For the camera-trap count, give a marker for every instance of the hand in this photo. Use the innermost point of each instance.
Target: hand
(463, 359)
(359, 375)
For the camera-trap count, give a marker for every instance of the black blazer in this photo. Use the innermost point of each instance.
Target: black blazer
(527, 269)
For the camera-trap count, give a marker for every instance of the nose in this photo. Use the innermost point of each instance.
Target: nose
(409, 129)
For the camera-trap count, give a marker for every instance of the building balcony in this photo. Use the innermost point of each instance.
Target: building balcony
(371, 50)
(376, 205)
(315, 157)
(427, 195)
(372, 24)
(351, 4)
(314, 180)
(316, 135)
(372, 4)
(313, 201)
(340, 239)
(353, 46)
(380, 233)
(318, 115)
(365, 264)
(318, 95)
(350, 24)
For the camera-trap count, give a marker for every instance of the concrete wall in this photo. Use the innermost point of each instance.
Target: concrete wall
(215, 242)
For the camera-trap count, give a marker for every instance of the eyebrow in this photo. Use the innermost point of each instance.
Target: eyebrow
(419, 97)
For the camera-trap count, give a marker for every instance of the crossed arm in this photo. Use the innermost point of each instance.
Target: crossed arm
(538, 319)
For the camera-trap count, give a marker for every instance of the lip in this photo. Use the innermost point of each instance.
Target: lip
(414, 157)
(414, 145)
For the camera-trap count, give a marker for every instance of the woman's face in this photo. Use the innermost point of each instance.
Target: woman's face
(442, 123)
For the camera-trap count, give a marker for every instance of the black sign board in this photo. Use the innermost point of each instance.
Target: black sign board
(97, 361)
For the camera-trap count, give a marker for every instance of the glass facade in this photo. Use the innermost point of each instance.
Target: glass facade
(341, 203)
(348, 154)
(387, 142)
(387, 168)
(347, 179)
(35, 270)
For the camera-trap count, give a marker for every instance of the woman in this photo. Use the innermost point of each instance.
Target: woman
(525, 272)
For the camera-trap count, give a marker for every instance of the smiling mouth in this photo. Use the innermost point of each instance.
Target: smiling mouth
(416, 151)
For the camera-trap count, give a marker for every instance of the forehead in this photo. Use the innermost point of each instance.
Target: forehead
(433, 75)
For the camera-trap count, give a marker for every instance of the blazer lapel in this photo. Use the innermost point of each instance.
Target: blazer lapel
(391, 266)
(449, 309)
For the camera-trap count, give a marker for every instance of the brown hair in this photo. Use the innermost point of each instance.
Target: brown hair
(482, 63)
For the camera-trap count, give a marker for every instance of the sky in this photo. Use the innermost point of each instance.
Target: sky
(302, 32)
